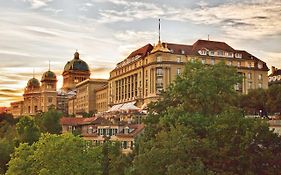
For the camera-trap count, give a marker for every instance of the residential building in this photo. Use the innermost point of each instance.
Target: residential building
(98, 130)
(17, 108)
(275, 76)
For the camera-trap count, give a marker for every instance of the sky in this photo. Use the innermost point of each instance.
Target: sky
(34, 32)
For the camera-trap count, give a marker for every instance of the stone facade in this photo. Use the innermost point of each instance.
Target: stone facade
(149, 70)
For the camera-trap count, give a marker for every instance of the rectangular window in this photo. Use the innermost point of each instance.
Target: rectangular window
(159, 71)
(178, 59)
(203, 60)
(250, 85)
(158, 59)
(238, 64)
(249, 76)
(260, 77)
(260, 85)
(50, 99)
(229, 63)
(178, 71)
(212, 61)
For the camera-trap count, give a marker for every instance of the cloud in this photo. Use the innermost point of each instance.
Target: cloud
(38, 3)
(254, 19)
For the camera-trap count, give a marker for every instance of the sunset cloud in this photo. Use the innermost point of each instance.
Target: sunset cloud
(106, 31)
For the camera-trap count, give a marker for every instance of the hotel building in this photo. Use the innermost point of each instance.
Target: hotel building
(147, 71)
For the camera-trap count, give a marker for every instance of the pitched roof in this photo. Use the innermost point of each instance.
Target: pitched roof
(143, 51)
(137, 129)
(80, 121)
(178, 48)
(211, 45)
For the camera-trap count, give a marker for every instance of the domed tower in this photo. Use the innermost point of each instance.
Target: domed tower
(48, 90)
(75, 71)
(32, 97)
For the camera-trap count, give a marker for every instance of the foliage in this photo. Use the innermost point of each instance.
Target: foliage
(196, 128)
(6, 148)
(56, 154)
(27, 130)
(274, 99)
(7, 138)
(201, 88)
(254, 101)
(268, 100)
(50, 121)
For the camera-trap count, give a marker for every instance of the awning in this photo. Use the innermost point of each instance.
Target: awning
(115, 108)
(129, 106)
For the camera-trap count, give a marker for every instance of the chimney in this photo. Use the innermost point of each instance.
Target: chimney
(273, 69)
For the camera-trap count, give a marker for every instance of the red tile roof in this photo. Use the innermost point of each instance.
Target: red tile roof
(80, 121)
(143, 51)
(137, 129)
(178, 48)
(211, 45)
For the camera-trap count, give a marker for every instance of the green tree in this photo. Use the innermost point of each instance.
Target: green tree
(56, 154)
(197, 128)
(274, 99)
(50, 121)
(7, 139)
(254, 101)
(27, 130)
(6, 148)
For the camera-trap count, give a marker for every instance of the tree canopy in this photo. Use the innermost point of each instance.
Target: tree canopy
(56, 154)
(50, 121)
(198, 128)
(27, 130)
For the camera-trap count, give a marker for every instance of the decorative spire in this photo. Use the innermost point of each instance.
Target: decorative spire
(208, 37)
(49, 65)
(76, 55)
(159, 27)
(33, 73)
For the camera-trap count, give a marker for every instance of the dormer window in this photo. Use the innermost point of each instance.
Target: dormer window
(202, 52)
(238, 55)
(211, 53)
(126, 130)
(229, 54)
(220, 53)
(172, 51)
(260, 66)
(90, 130)
(182, 52)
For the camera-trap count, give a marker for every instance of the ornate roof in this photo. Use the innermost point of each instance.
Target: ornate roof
(33, 82)
(76, 64)
(49, 75)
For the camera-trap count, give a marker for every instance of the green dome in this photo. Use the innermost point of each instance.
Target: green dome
(33, 82)
(49, 75)
(76, 64)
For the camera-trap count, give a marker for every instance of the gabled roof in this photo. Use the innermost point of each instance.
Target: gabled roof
(211, 45)
(178, 48)
(143, 51)
(137, 129)
(74, 121)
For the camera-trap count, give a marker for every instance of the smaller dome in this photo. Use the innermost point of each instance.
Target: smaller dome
(33, 82)
(49, 75)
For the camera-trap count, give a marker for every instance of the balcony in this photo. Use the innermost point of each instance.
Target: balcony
(159, 85)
